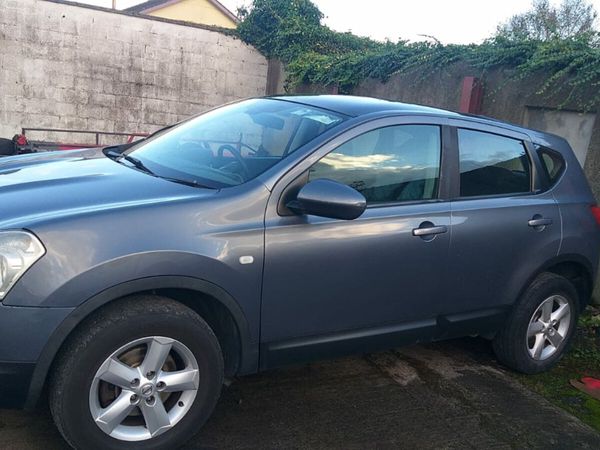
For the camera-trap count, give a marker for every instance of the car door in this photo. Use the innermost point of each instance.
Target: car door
(504, 227)
(335, 286)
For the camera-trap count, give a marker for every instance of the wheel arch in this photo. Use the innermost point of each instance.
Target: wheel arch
(203, 292)
(575, 268)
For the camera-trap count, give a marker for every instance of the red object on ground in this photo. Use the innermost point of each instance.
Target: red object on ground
(471, 96)
(591, 383)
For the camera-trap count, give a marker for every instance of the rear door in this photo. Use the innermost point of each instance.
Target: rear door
(504, 228)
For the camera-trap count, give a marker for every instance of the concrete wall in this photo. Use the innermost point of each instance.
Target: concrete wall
(575, 127)
(68, 66)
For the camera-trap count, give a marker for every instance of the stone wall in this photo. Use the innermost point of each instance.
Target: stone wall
(69, 66)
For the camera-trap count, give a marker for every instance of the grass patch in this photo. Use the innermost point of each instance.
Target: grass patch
(582, 360)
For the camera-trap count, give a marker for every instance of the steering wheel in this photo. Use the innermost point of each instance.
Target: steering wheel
(237, 155)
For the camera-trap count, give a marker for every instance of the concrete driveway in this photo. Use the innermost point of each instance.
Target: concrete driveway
(445, 395)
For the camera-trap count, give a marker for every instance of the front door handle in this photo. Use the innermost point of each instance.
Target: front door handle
(429, 230)
(539, 222)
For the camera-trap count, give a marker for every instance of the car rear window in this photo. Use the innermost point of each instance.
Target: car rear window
(553, 163)
(492, 165)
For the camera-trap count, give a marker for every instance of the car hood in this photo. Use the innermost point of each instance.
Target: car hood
(44, 186)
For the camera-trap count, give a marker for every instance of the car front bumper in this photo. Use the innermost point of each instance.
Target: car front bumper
(15, 378)
(24, 333)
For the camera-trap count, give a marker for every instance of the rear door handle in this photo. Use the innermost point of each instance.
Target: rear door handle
(428, 231)
(539, 222)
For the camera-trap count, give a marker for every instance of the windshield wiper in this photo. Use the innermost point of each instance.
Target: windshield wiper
(137, 163)
(112, 154)
(141, 166)
(191, 183)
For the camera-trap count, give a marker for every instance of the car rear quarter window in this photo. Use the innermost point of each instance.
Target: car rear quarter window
(492, 165)
(553, 163)
(388, 165)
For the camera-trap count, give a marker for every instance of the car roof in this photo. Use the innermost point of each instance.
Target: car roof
(356, 106)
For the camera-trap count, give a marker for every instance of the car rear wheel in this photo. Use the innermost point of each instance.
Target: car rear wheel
(541, 326)
(145, 372)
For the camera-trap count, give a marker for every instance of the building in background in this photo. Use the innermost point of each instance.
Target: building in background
(204, 12)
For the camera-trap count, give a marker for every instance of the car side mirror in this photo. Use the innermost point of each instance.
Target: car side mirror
(328, 198)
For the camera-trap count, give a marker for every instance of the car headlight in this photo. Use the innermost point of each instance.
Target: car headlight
(19, 250)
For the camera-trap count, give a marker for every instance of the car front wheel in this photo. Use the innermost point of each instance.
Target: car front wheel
(145, 372)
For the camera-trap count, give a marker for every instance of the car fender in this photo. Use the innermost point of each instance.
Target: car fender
(249, 348)
(563, 258)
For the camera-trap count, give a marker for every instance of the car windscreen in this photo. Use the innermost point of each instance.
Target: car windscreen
(232, 144)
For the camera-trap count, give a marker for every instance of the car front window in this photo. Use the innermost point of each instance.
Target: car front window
(388, 165)
(233, 144)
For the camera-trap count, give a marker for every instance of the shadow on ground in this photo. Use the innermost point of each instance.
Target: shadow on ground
(444, 395)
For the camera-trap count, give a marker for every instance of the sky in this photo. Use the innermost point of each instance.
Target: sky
(449, 21)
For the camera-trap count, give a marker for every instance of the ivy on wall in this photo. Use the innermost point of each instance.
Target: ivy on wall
(291, 31)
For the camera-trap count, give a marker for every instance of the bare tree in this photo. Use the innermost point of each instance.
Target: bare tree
(545, 21)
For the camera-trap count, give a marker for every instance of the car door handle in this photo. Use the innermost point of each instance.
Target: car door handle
(539, 222)
(428, 231)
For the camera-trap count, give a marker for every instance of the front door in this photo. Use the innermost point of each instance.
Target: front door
(334, 286)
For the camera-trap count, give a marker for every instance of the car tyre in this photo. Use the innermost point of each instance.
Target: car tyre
(541, 326)
(146, 328)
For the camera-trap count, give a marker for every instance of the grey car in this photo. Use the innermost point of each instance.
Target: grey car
(135, 278)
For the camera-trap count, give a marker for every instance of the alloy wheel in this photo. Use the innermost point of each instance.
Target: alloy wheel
(144, 388)
(548, 327)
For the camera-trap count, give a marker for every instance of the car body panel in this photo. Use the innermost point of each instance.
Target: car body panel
(374, 268)
(195, 237)
(488, 237)
(362, 106)
(46, 187)
(25, 333)
(35, 326)
(574, 198)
